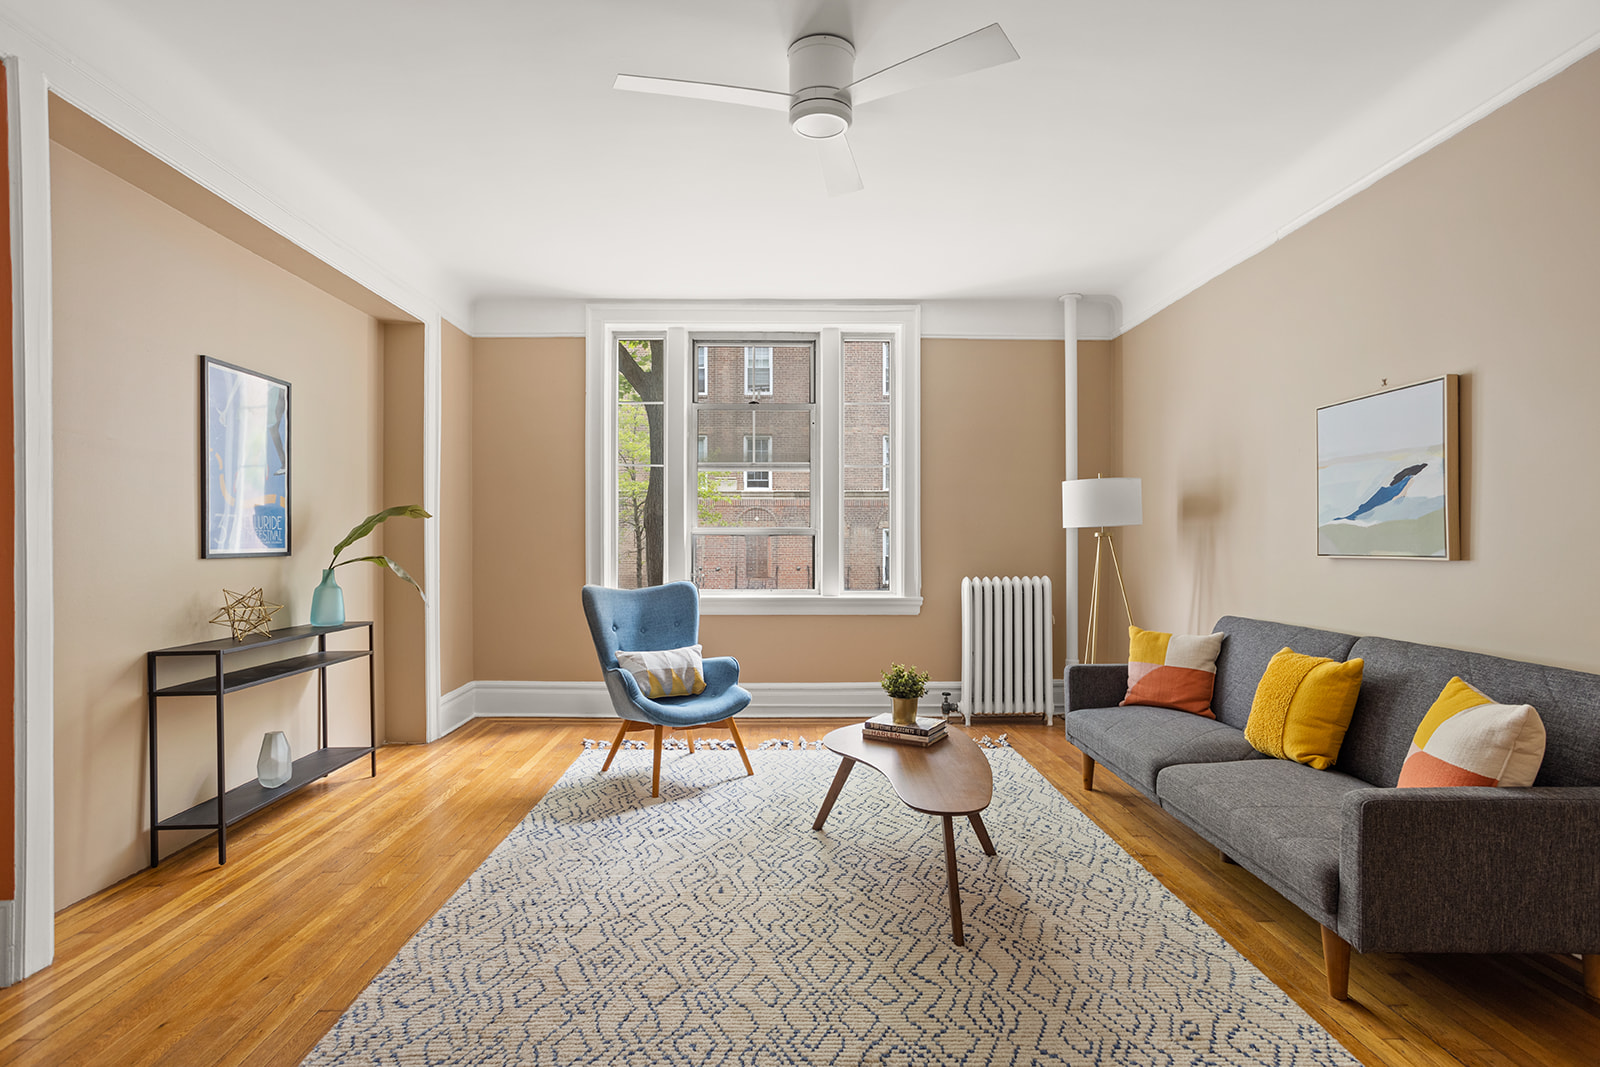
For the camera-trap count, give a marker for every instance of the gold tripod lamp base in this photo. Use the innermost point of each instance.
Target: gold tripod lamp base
(1098, 503)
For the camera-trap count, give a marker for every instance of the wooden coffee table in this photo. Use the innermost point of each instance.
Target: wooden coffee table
(946, 779)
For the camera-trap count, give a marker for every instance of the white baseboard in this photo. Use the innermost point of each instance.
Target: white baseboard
(589, 700)
(8, 944)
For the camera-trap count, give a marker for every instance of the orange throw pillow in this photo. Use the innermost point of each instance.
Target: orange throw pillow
(1175, 671)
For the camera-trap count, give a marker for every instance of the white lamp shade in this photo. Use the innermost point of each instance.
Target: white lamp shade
(1093, 502)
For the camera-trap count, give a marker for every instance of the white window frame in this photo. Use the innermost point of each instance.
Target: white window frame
(702, 448)
(886, 349)
(885, 461)
(749, 363)
(678, 325)
(702, 373)
(886, 550)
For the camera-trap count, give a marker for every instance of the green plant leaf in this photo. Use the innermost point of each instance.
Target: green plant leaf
(370, 523)
(385, 561)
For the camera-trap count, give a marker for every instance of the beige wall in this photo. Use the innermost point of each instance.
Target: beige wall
(455, 512)
(1479, 258)
(404, 670)
(140, 292)
(992, 462)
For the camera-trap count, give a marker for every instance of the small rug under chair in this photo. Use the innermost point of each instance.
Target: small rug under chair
(715, 927)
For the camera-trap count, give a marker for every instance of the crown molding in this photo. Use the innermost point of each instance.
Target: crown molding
(1510, 53)
(1022, 320)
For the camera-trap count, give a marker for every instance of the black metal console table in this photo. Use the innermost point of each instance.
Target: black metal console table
(231, 805)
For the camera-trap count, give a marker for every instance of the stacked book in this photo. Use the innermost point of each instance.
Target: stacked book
(923, 732)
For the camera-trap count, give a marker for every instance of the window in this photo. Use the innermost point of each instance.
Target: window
(757, 370)
(757, 449)
(773, 498)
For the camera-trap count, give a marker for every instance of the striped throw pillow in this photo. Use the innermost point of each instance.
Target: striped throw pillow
(672, 672)
(1174, 671)
(1468, 739)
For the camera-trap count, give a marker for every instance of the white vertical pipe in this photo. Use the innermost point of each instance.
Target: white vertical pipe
(1069, 591)
(32, 935)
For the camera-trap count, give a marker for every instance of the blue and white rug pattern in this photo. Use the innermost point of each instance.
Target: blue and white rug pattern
(715, 927)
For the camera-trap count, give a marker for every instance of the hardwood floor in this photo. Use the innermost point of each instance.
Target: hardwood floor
(252, 962)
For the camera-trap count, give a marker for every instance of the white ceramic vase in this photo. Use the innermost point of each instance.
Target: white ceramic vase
(274, 766)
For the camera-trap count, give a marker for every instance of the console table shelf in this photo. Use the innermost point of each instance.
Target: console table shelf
(231, 805)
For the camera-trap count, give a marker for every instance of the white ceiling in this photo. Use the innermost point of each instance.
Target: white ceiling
(484, 135)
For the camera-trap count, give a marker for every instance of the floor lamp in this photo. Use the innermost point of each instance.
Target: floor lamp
(1097, 503)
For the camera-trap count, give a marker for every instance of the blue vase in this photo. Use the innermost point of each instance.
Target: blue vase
(327, 603)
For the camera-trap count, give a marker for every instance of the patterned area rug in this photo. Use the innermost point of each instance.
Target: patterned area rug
(715, 927)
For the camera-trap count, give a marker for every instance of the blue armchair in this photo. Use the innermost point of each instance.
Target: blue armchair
(649, 620)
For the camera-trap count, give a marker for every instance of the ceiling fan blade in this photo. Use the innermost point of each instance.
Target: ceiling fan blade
(988, 47)
(838, 166)
(722, 94)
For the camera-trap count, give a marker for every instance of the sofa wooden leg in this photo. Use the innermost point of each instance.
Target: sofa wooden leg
(1591, 975)
(1336, 960)
(1088, 774)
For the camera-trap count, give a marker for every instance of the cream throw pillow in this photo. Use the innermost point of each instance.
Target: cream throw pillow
(672, 672)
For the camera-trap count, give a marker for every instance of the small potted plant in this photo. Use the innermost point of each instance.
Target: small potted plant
(905, 685)
(327, 600)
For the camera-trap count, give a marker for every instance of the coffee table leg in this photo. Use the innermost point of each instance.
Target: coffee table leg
(955, 890)
(846, 764)
(983, 833)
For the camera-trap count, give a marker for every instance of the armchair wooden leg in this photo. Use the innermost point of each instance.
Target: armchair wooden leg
(1336, 960)
(655, 774)
(739, 743)
(1088, 774)
(616, 746)
(1591, 975)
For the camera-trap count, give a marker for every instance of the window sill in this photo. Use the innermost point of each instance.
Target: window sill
(759, 604)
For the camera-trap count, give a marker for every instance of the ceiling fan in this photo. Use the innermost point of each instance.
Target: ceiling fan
(823, 92)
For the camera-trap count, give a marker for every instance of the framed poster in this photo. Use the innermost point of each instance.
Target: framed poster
(1387, 474)
(245, 500)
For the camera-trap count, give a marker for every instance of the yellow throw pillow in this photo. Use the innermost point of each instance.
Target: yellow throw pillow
(1302, 708)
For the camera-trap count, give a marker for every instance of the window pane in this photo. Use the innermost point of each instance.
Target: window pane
(639, 526)
(865, 520)
(752, 498)
(866, 366)
(865, 458)
(783, 372)
(754, 561)
(641, 477)
(727, 431)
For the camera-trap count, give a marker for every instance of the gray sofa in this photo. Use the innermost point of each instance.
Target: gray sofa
(1382, 869)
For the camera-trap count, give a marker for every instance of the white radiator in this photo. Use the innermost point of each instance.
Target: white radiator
(1007, 655)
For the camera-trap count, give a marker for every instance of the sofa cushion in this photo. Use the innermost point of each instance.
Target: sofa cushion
(1135, 743)
(1402, 680)
(1279, 820)
(1250, 646)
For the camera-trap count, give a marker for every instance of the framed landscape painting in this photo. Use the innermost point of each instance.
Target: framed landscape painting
(1387, 474)
(245, 500)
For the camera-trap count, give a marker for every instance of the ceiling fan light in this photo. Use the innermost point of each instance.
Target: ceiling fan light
(820, 117)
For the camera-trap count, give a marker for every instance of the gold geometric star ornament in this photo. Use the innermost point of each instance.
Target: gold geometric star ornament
(246, 613)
